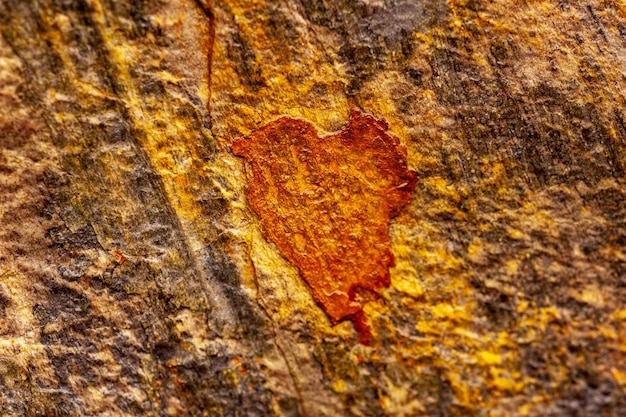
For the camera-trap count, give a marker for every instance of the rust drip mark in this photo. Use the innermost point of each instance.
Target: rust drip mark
(207, 8)
(326, 203)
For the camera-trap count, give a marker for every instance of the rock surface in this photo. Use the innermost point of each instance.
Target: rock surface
(134, 277)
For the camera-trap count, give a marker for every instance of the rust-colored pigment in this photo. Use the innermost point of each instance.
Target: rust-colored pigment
(326, 203)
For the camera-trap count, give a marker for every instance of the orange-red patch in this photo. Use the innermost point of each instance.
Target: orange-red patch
(326, 203)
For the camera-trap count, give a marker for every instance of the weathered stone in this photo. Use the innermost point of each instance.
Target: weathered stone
(134, 277)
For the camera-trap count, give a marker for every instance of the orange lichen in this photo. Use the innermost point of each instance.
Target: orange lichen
(326, 203)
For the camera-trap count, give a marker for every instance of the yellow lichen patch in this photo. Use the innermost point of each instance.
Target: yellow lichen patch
(489, 358)
(619, 315)
(406, 283)
(338, 385)
(619, 376)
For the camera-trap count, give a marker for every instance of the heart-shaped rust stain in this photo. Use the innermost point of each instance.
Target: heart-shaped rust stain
(326, 203)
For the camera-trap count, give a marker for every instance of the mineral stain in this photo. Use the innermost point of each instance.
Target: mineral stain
(326, 203)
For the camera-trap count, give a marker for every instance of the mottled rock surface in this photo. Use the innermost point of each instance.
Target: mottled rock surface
(134, 277)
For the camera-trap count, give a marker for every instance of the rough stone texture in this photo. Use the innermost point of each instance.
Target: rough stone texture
(134, 278)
